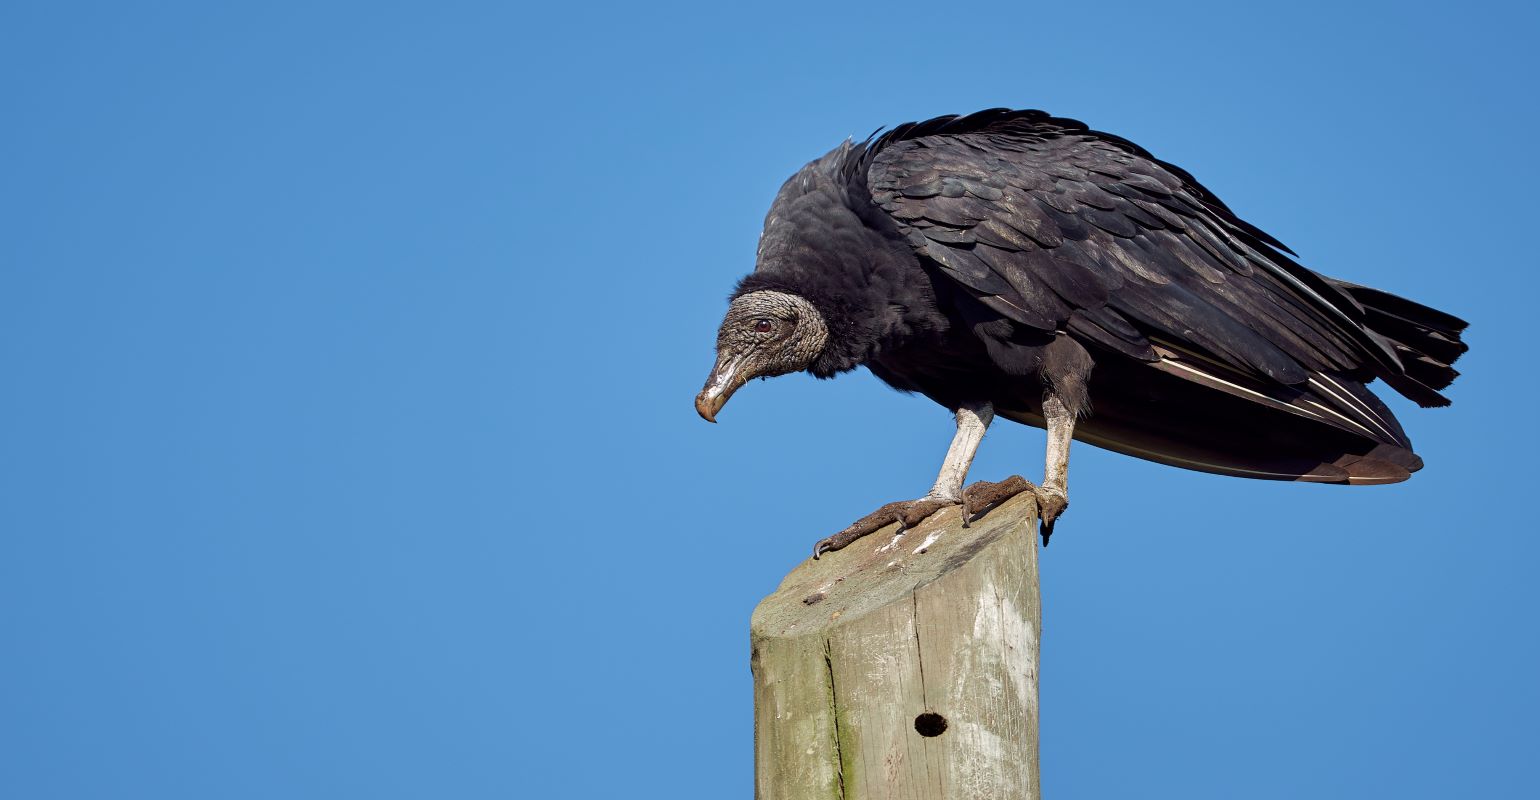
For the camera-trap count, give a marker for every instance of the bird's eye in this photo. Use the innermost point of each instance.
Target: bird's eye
(763, 326)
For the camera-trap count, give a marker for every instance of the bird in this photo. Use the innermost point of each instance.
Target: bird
(1015, 264)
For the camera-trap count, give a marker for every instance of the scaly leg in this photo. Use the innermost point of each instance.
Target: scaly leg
(1052, 496)
(972, 421)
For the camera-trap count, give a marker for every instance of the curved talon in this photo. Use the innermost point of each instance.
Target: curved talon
(1051, 503)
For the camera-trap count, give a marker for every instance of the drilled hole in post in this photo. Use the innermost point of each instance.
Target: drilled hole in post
(930, 724)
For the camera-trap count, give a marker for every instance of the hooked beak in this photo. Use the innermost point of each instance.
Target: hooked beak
(725, 379)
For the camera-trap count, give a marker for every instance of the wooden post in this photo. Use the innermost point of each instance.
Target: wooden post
(904, 667)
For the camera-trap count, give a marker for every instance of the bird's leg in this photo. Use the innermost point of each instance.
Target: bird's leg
(1052, 496)
(972, 420)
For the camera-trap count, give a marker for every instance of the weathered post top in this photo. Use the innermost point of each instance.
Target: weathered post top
(904, 666)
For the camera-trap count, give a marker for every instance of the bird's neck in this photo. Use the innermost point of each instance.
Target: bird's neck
(865, 313)
(826, 242)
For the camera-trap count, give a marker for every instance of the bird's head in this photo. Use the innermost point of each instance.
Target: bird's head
(766, 333)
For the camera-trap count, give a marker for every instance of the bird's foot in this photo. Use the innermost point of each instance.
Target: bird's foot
(907, 513)
(983, 494)
(1051, 500)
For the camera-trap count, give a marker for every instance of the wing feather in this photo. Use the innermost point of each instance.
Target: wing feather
(1060, 228)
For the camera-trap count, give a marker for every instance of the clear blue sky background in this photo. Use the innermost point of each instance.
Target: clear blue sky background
(346, 440)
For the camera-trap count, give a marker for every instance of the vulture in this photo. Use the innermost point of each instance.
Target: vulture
(1017, 264)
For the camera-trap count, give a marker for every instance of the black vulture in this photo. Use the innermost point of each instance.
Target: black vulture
(1014, 263)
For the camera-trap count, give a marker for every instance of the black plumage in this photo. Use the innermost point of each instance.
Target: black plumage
(991, 257)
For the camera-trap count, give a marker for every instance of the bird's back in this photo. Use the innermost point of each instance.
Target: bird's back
(1214, 349)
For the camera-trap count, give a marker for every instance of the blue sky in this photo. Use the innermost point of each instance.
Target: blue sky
(349, 353)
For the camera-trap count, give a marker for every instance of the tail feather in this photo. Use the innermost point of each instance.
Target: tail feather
(1399, 306)
(1441, 345)
(1426, 340)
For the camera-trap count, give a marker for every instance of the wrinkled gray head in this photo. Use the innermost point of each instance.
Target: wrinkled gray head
(765, 334)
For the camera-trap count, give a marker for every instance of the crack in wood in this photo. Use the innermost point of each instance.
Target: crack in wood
(834, 711)
(919, 659)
